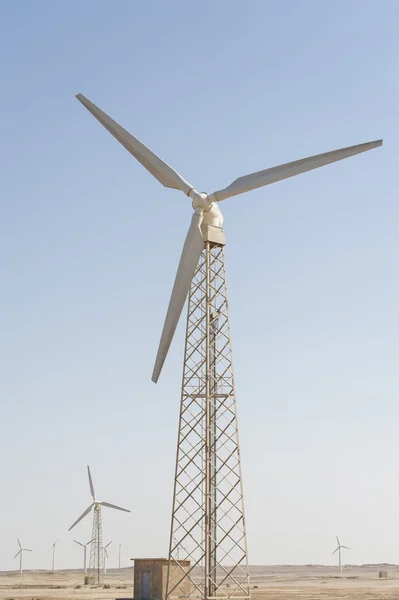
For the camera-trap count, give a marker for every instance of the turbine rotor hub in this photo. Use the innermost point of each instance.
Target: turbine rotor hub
(200, 201)
(210, 211)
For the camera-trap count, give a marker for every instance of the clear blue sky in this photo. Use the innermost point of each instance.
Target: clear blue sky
(90, 243)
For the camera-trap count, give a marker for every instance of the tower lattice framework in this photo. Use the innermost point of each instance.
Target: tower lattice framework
(96, 564)
(208, 523)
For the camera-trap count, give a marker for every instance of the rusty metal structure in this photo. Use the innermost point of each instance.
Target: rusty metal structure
(208, 522)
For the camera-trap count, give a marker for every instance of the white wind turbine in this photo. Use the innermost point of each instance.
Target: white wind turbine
(20, 554)
(179, 546)
(84, 546)
(338, 549)
(53, 549)
(206, 207)
(96, 553)
(104, 549)
(208, 493)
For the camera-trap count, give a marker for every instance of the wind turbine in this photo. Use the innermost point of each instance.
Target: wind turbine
(338, 549)
(178, 546)
(96, 554)
(20, 554)
(208, 510)
(104, 549)
(120, 548)
(84, 546)
(53, 548)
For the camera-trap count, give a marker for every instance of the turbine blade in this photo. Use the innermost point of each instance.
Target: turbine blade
(268, 176)
(26, 550)
(192, 249)
(86, 512)
(87, 543)
(76, 542)
(19, 543)
(114, 506)
(18, 553)
(336, 550)
(109, 543)
(150, 161)
(90, 483)
(337, 540)
(346, 547)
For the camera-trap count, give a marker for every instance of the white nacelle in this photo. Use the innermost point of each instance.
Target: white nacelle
(213, 216)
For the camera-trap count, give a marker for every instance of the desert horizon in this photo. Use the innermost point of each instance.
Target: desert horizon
(267, 582)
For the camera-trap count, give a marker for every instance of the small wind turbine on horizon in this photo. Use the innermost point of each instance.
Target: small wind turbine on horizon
(120, 547)
(20, 553)
(84, 546)
(104, 549)
(96, 551)
(179, 546)
(338, 549)
(53, 548)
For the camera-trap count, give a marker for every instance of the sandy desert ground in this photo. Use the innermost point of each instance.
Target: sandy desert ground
(269, 583)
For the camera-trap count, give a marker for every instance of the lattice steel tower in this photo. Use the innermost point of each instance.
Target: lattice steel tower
(208, 525)
(96, 562)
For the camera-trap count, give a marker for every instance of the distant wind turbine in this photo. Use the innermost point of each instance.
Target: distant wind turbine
(96, 552)
(20, 553)
(84, 546)
(179, 546)
(104, 549)
(53, 548)
(338, 549)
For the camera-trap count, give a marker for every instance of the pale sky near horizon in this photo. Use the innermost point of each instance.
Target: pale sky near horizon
(90, 243)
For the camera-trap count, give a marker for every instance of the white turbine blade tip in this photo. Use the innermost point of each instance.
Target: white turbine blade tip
(192, 249)
(150, 161)
(108, 505)
(86, 512)
(90, 483)
(284, 171)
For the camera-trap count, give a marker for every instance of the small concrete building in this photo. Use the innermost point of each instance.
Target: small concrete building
(150, 578)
